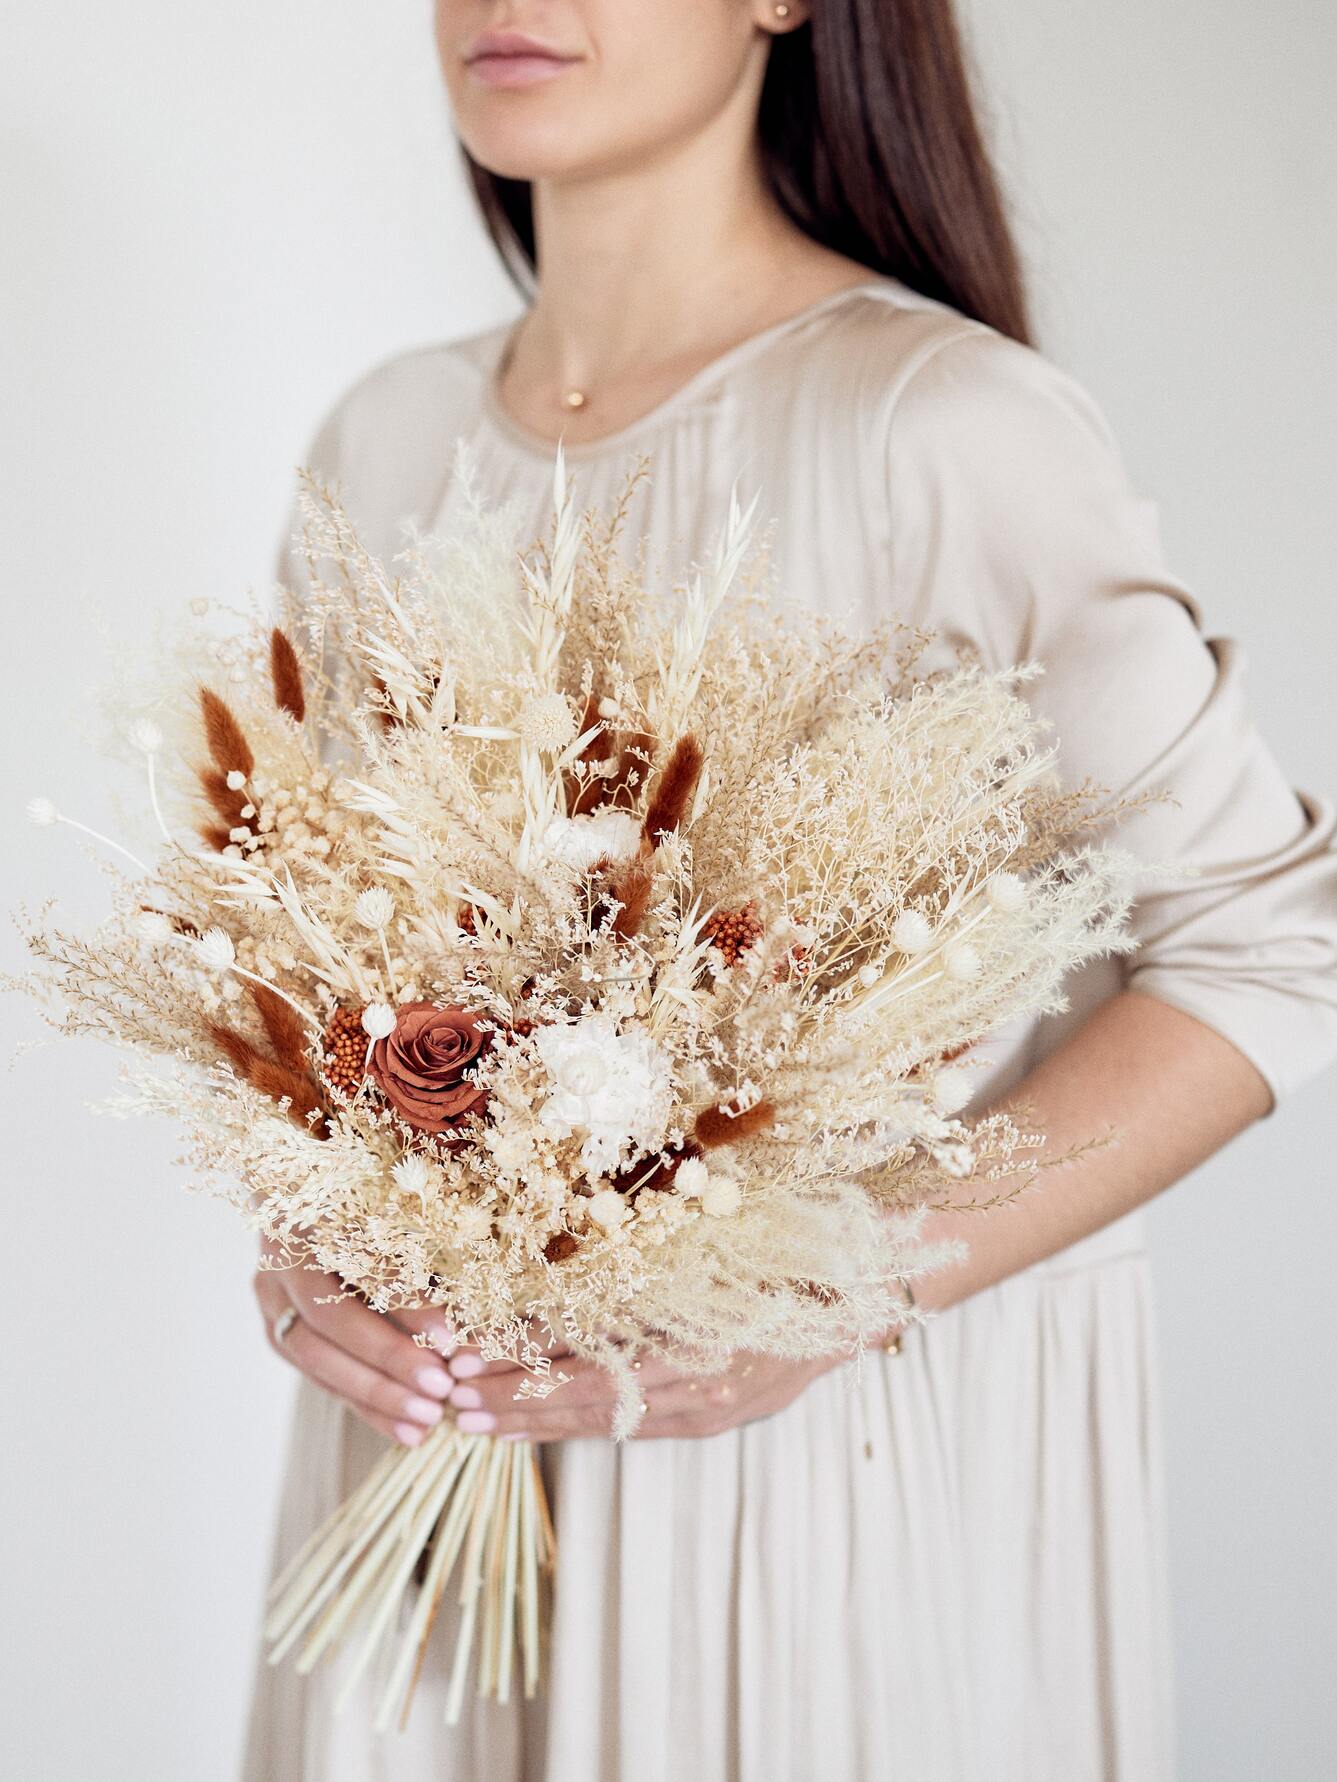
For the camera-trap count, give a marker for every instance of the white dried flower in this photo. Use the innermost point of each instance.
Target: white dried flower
(236, 780)
(1006, 892)
(579, 841)
(153, 926)
(240, 834)
(546, 723)
(472, 1222)
(953, 1086)
(42, 812)
(962, 962)
(145, 735)
(199, 606)
(608, 708)
(608, 1209)
(870, 975)
(912, 932)
(412, 1175)
(216, 950)
(378, 1020)
(611, 1087)
(692, 1177)
(722, 1197)
(375, 908)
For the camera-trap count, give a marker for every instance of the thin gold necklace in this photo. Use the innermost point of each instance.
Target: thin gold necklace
(571, 398)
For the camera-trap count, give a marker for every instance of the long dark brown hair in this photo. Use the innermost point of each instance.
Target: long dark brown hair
(870, 141)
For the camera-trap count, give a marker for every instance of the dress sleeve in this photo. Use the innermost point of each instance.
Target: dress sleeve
(1015, 530)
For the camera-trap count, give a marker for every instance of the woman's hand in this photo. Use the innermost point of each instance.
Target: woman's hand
(677, 1404)
(368, 1359)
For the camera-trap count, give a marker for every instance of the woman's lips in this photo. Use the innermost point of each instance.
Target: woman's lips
(516, 70)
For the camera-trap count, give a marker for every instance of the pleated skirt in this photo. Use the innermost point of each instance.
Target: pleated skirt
(947, 1565)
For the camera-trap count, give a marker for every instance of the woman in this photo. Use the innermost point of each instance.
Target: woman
(769, 244)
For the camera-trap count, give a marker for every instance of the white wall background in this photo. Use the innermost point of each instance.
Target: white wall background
(213, 219)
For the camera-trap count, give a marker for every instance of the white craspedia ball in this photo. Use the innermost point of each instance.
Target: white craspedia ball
(692, 1177)
(608, 1209)
(1006, 892)
(145, 735)
(153, 926)
(216, 950)
(236, 780)
(42, 812)
(199, 606)
(722, 1197)
(378, 1020)
(962, 962)
(953, 1086)
(546, 722)
(870, 975)
(608, 708)
(375, 908)
(912, 931)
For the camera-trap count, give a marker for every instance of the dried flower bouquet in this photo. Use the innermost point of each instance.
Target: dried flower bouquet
(601, 967)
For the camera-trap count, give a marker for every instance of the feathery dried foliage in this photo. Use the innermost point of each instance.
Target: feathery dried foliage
(563, 953)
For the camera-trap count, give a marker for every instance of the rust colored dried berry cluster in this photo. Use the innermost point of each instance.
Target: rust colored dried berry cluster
(734, 931)
(345, 1051)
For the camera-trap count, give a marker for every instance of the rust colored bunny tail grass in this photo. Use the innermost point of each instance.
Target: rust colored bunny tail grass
(717, 1126)
(226, 803)
(671, 797)
(632, 888)
(281, 1083)
(225, 737)
(278, 1081)
(286, 672)
(235, 1047)
(466, 1506)
(283, 1026)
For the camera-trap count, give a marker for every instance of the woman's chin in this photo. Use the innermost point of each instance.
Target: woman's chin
(528, 147)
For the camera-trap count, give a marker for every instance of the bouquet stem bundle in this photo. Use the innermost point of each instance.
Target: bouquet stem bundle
(458, 1504)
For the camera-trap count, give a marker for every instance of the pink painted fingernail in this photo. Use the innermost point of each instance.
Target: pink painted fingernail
(435, 1380)
(466, 1398)
(442, 1337)
(476, 1422)
(423, 1410)
(466, 1364)
(514, 1435)
(410, 1433)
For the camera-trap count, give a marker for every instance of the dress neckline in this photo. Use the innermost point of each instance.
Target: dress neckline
(536, 444)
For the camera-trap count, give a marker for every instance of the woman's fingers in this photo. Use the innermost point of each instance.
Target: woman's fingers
(370, 1338)
(582, 1405)
(404, 1414)
(428, 1321)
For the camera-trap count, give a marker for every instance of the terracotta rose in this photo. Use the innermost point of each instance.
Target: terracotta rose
(424, 1068)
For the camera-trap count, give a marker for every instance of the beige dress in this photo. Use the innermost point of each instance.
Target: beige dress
(983, 1595)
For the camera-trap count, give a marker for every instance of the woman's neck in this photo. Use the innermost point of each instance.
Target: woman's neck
(646, 275)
